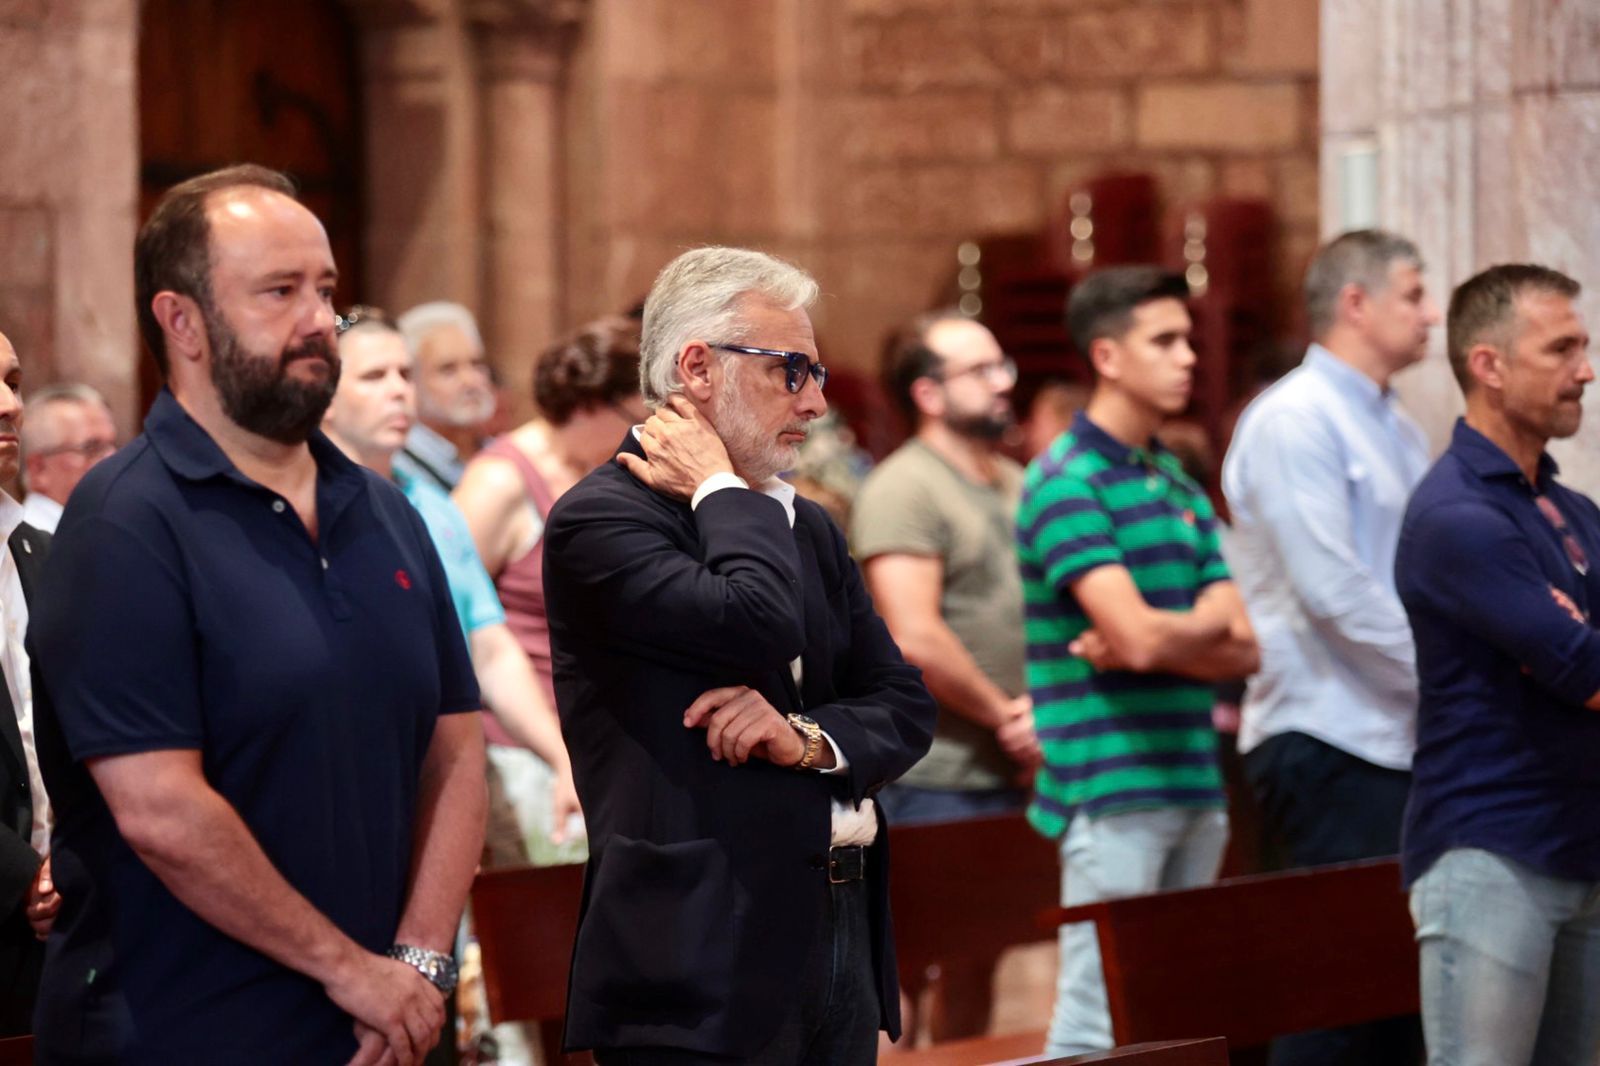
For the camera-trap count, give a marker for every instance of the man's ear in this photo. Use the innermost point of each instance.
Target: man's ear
(183, 324)
(1351, 303)
(1486, 365)
(925, 393)
(694, 372)
(1104, 356)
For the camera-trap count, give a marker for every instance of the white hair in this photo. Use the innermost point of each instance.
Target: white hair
(416, 324)
(34, 421)
(697, 296)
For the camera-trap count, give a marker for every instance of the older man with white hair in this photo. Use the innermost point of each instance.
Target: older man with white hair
(455, 396)
(67, 429)
(730, 701)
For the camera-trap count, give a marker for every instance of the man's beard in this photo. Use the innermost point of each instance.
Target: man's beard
(256, 391)
(756, 455)
(986, 427)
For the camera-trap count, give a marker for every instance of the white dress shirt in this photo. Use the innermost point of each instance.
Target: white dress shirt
(14, 659)
(41, 512)
(1317, 480)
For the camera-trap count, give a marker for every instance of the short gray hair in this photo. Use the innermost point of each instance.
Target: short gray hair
(423, 319)
(50, 396)
(1360, 257)
(697, 295)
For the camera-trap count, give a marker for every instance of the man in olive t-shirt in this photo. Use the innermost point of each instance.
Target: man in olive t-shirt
(933, 527)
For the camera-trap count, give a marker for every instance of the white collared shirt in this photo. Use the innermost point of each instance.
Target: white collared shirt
(851, 825)
(41, 512)
(14, 660)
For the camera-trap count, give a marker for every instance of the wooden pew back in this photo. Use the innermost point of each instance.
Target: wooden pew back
(1259, 957)
(968, 890)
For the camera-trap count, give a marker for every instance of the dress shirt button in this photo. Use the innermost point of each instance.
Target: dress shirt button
(324, 564)
(277, 505)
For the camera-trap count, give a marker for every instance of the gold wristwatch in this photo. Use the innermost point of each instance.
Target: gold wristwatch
(811, 733)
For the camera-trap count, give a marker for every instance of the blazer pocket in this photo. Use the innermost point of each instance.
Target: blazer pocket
(660, 934)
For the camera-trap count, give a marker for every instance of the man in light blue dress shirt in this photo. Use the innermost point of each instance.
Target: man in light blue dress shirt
(1317, 479)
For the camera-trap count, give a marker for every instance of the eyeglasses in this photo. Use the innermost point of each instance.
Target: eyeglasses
(89, 449)
(358, 314)
(796, 365)
(1003, 372)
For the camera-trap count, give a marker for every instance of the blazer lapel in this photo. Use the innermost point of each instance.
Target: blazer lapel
(20, 551)
(814, 683)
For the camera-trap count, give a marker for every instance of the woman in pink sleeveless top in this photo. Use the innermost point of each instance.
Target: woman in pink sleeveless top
(587, 389)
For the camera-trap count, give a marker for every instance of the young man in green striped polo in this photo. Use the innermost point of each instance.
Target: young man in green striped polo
(1130, 618)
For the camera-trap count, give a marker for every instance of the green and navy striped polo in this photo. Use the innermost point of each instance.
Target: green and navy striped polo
(1115, 740)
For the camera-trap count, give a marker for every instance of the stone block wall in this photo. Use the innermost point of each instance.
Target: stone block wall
(68, 193)
(867, 138)
(1485, 115)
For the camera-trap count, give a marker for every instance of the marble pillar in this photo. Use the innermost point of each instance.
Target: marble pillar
(69, 194)
(1486, 118)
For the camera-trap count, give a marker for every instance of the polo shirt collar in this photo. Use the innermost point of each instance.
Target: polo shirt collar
(190, 452)
(1092, 436)
(1487, 459)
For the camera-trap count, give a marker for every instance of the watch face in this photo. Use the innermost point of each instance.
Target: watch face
(805, 720)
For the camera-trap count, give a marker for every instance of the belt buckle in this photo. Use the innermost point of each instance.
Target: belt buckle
(834, 864)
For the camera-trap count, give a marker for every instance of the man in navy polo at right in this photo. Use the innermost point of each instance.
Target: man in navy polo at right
(1495, 568)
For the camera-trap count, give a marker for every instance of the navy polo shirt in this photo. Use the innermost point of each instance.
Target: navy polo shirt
(187, 606)
(1508, 758)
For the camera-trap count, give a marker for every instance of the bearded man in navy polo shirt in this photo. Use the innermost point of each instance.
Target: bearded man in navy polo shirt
(1495, 568)
(258, 723)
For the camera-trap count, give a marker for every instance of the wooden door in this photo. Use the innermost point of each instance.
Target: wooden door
(235, 81)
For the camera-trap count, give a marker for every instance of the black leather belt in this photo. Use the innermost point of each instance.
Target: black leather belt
(846, 864)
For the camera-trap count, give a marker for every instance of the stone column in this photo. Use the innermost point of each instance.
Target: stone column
(523, 47)
(423, 234)
(69, 194)
(1487, 128)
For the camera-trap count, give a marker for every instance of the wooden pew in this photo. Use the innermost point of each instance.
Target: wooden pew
(526, 918)
(1213, 1052)
(968, 890)
(16, 1051)
(961, 890)
(1255, 958)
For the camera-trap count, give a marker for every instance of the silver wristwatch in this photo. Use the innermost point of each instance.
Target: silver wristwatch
(436, 966)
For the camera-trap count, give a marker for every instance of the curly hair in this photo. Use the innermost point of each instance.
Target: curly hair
(598, 364)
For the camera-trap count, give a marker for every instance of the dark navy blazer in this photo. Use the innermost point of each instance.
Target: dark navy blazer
(706, 880)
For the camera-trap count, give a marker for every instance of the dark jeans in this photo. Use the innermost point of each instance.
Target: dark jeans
(912, 805)
(833, 1018)
(1327, 806)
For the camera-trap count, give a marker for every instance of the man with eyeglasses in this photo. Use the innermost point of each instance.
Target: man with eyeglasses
(1501, 847)
(731, 703)
(67, 430)
(1131, 619)
(934, 528)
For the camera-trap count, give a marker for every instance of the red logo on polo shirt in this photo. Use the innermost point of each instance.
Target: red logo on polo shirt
(402, 579)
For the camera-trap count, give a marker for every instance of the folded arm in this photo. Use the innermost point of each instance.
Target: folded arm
(1212, 642)
(1478, 570)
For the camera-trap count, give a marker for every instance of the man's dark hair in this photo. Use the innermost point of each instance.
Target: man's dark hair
(1483, 309)
(1102, 304)
(598, 364)
(173, 250)
(907, 357)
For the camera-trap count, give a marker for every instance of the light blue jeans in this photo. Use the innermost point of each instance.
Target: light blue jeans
(1120, 855)
(1510, 963)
